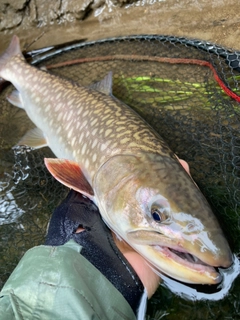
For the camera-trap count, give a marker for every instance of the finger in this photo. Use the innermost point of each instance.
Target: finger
(146, 274)
(79, 230)
(185, 165)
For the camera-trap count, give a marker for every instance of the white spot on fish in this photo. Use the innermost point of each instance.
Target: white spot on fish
(73, 141)
(81, 137)
(94, 131)
(58, 96)
(70, 133)
(46, 81)
(48, 107)
(70, 102)
(79, 111)
(84, 149)
(125, 140)
(87, 163)
(103, 147)
(69, 115)
(68, 125)
(85, 113)
(58, 106)
(58, 130)
(59, 117)
(114, 145)
(120, 129)
(94, 122)
(94, 143)
(54, 85)
(107, 132)
(94, 157)
(109, 122)
(84, 123)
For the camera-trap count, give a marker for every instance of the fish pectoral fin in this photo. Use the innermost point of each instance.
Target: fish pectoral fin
(105, 85)
(15, 98)
(70, 174)
(34, 138)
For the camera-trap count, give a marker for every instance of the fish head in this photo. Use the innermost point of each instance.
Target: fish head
(154, 205)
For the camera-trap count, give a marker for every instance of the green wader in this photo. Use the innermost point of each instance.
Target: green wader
(59, 283)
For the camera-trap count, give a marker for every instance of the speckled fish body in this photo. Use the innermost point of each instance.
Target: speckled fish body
(119, 161)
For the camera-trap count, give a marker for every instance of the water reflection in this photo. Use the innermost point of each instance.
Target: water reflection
(10, 194)
(211, 293)
(142, 3)
(9, 210)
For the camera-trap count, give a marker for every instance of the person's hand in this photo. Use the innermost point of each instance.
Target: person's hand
(79, 219)
(143, 269)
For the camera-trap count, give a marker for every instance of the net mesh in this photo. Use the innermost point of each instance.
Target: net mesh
(183, 102)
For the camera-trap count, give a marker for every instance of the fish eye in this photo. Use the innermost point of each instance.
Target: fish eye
(158, 214)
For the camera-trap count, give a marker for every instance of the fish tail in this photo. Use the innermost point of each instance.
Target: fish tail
(12, 51)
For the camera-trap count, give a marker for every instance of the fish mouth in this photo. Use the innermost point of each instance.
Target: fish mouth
(184, 258)
(172, 259)
(189, 261)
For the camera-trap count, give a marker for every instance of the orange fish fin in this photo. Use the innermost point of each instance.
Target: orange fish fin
(70, 174)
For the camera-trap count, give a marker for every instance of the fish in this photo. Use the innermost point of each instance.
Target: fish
(106, 151)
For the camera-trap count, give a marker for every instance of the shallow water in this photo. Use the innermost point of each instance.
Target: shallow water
(214, 21)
